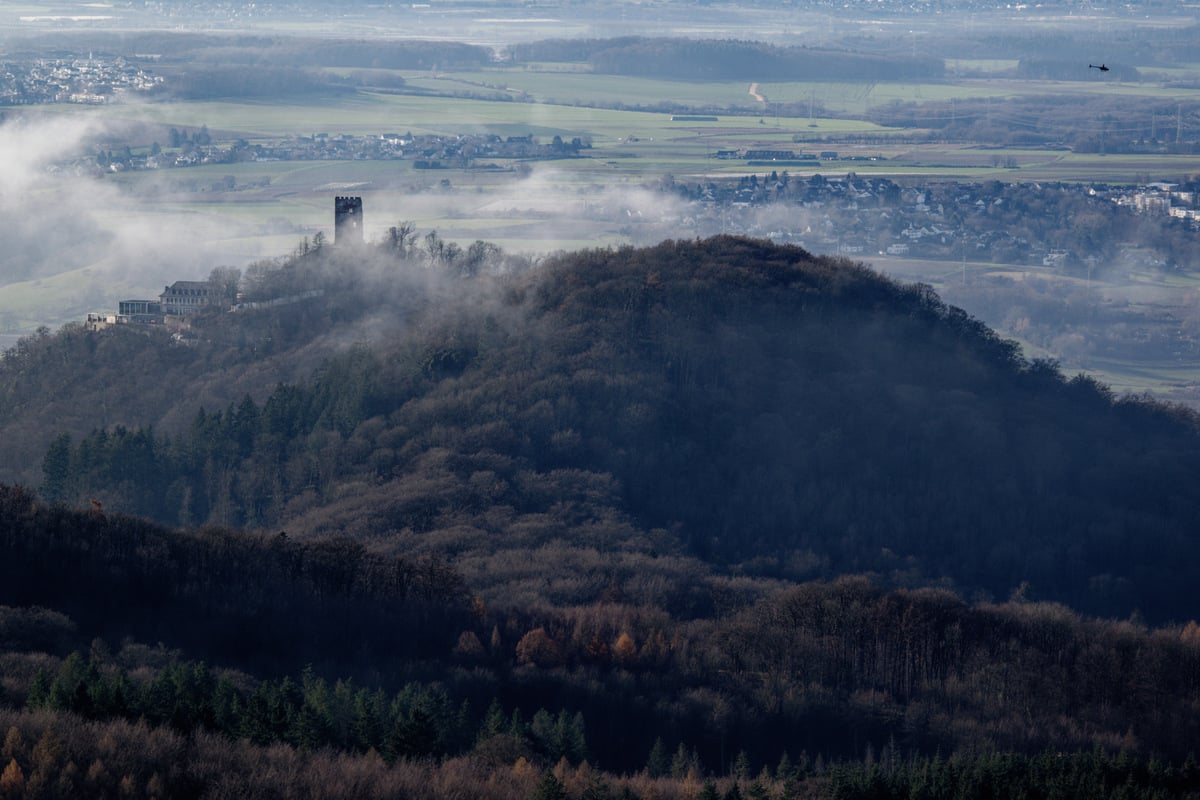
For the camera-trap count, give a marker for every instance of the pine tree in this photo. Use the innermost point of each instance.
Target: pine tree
(415, 736)
(71, 689)
(549, 788)
(39, 690)
(366, 726)
(56, 470)
(546, 734)
(785, 770)
(574, 737)
(741, 766)
(226, 706)
(517, 726)
(597, 788)
(681, 762)
(657, 764)
(757, 790)
(789, 774)
(493, 721)
(309, 730)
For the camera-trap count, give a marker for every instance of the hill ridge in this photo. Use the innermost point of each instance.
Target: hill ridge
(728, 402)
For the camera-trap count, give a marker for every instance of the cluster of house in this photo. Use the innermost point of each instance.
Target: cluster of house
(426, 151)
(785, 158)
(858, 215)
(76, 80)
(1163, 198)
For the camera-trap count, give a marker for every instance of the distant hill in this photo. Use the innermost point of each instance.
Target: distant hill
(728, 403)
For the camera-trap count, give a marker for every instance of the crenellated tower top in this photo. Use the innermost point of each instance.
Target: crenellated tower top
(347, 221)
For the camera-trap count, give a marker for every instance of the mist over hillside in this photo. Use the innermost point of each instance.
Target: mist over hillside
(728, 400)
(77, 243)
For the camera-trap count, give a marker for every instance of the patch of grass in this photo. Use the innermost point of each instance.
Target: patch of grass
(571, 88)
(73, 294)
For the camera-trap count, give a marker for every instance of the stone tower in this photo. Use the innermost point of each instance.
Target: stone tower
(347, 221)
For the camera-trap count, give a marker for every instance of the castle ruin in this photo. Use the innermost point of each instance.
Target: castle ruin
(347, 221)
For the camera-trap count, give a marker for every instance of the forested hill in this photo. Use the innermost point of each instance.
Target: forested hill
(614, 425)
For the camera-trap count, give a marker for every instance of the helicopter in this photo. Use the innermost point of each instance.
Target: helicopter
(1100, 67)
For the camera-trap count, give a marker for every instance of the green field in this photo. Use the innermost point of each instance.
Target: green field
(576, 86)
(374, 113)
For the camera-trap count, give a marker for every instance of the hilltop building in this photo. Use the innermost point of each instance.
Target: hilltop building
(186, 297)
(142, 312)
(347, 221)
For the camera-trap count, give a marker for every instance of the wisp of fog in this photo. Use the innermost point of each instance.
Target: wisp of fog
(77, 230)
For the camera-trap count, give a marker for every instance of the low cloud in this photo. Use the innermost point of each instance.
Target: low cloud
(64, 216)
(549, 205)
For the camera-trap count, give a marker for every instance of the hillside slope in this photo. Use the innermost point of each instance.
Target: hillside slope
(617, 424)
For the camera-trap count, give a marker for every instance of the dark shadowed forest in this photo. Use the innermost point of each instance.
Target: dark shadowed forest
(706, 519)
